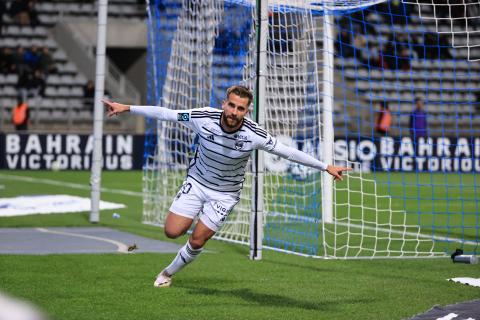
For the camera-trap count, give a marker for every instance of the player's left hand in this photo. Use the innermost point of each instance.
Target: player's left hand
(337, 172)
(115, 108)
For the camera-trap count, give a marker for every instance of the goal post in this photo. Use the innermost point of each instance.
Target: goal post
(258, 165)
(327, 115)
(329, 67)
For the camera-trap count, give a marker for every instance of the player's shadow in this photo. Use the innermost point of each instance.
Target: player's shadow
(273, 300)
(244, 251)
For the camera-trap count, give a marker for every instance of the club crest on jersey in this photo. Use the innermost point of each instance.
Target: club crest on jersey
(183, 116)
(239, 144)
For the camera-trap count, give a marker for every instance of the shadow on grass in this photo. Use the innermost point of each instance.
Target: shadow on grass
(380, 270)
(298, 266)
(274, 300)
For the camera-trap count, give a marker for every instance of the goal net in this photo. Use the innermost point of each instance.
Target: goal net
(331, 66)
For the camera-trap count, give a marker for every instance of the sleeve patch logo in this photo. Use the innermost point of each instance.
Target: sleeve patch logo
(183, 116)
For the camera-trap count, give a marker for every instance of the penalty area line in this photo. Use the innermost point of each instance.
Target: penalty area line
(72, 185)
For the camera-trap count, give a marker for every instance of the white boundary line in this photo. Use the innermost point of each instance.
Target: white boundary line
(121, 247)
(68, 184)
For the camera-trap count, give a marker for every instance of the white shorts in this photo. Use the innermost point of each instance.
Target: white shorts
(212, 207)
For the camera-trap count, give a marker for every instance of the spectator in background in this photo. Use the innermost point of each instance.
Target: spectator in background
(402, 41)
(31, 84)
(418, 120)
(88, 94)
(21, 115)
(360, 43)
(384, 119)
(389, 56)
(418, 44)
(23, 12)
(382, 58)
(404, 59)
(38, 84)
(24, 84)
(7, 62)
(397, 54)
(19, 64)
(19, 12)
(46, 64)
(3, 61)
(32, 13)
(31, 58)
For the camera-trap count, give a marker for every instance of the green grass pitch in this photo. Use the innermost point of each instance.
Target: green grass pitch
(223, 283)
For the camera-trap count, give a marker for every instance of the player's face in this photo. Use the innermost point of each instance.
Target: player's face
(234, 110)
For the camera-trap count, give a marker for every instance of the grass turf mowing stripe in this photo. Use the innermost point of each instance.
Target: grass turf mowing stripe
(68, 184)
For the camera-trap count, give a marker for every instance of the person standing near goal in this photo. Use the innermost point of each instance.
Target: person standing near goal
(217, 171)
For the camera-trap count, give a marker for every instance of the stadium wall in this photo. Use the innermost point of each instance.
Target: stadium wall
(125, 152)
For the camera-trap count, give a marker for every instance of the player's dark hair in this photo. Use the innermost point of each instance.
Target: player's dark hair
(242, 92)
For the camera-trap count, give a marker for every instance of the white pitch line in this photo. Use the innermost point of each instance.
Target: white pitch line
(68, 184)
(121, 247)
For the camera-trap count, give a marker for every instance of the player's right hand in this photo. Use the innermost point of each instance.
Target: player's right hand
(114, 108)
(337, 172)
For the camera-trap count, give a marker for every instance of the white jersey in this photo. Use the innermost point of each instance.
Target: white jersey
(221, 157)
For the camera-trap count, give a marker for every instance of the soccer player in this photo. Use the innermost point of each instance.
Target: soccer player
(217, 171)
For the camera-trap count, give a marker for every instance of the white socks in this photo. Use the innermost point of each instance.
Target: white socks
(186, 255)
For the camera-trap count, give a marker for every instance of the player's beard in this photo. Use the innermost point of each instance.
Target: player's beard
(230, 122)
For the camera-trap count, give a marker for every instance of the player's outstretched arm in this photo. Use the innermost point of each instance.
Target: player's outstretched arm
(298, 156)
(114, 108)
(337, 172)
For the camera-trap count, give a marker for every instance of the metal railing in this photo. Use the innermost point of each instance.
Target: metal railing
(80, 51)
